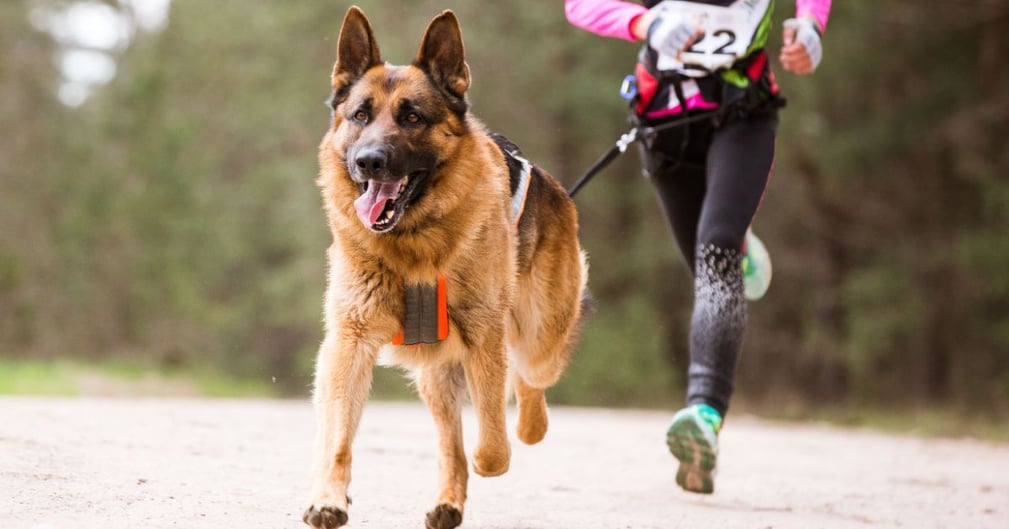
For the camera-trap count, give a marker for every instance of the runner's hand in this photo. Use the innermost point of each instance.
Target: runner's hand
(803, 50)
(672, 34)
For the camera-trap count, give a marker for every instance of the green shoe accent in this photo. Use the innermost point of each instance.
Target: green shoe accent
(693, 440)
(710, 416)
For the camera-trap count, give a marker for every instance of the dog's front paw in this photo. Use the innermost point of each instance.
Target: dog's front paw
(327, 517)
(444, 516)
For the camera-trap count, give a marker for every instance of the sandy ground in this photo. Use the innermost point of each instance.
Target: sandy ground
(94, 463)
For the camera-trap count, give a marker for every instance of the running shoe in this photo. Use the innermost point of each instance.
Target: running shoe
(756, 268)
(693, 439)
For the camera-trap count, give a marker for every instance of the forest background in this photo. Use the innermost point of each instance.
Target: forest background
(158, 210)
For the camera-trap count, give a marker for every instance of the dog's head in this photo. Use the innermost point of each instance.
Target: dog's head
(394, 127)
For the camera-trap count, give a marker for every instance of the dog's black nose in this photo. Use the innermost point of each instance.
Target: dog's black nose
(372, 161)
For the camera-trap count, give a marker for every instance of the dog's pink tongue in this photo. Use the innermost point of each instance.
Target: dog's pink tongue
(370, 205)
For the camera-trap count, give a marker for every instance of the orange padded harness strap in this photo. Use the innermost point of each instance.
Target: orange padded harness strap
(425, 318)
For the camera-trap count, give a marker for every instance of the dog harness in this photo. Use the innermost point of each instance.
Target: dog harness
(425, 316)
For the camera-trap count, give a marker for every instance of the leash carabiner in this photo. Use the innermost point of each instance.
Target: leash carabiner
(607, 158)
(627, 139)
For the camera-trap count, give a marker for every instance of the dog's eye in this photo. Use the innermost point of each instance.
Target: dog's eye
(361, 116)
(413, 118)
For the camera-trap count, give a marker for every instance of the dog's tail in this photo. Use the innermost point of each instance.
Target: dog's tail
(588, 301)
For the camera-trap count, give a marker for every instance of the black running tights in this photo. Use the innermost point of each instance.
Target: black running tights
(709, 182)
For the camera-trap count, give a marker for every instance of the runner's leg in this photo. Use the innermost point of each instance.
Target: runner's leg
(739, 161)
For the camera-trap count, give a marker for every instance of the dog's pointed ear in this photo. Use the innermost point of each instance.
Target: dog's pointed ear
(442, 55)
(356, 53)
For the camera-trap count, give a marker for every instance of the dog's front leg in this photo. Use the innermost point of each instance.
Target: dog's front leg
(486, 369)
(342, 380)
(443, 388)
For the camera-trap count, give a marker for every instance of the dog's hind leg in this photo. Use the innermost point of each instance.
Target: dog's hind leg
(542, 327)
(538, 360)
(342, 380)
(443, 388)
(486, 370)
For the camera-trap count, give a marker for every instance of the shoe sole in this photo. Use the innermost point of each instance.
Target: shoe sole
(696, 455)
(757, 252)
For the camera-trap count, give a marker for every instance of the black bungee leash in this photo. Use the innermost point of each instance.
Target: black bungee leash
(631, 136)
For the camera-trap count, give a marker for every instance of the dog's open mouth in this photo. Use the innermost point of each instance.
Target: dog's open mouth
(382, 204)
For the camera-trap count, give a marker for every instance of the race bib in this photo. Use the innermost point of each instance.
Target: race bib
(728, 33)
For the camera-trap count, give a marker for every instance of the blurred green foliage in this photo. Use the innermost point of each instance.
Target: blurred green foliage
(112, 378)
(172, 219)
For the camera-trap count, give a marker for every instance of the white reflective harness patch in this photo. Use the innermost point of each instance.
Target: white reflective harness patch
(728, 33)
(518, 202)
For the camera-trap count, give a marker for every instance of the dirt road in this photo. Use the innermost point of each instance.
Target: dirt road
(96, 463)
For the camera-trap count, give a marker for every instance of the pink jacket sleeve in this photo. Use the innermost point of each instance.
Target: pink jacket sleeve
(608, 18)
(613, 18)
(819, 9)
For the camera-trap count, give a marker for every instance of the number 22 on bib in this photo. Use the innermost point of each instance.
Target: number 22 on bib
(729, 34)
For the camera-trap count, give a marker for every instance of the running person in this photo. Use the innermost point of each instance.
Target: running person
(708, 57)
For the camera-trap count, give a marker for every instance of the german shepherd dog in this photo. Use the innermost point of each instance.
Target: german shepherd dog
(452, 256)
